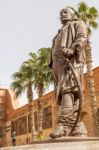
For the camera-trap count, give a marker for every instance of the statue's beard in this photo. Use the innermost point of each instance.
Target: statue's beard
(65, 20)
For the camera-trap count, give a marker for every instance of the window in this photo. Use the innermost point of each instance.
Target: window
(23, 125)
(47, 117)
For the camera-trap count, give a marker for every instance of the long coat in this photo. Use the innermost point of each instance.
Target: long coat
(73, 36)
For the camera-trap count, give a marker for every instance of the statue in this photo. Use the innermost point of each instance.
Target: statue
(14, 138)
(67, 62)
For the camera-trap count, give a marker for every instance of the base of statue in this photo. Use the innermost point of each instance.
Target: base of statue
(66, 139)
(64, 143)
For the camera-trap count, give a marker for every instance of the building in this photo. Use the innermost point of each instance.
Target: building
(16, 118)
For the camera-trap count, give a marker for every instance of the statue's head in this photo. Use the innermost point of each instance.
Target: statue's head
(66, 14)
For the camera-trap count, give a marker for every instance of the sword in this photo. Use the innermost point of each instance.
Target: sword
(67, 61)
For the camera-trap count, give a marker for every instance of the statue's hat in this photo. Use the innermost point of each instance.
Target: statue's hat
(70, 9)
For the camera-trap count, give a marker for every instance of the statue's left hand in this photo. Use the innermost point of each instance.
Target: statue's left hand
(68, 52)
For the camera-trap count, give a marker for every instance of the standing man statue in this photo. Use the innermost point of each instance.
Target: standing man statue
(68, 47)
(14, 138)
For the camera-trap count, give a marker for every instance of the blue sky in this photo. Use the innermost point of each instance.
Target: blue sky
(26, 26)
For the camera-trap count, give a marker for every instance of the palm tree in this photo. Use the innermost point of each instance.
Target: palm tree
(43, 73)
(24, 80)
(42, 79)
(89, 16)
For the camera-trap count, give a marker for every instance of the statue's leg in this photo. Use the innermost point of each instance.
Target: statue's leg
(80, 129)
(65, 119)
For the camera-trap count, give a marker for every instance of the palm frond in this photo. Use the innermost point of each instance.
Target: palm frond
(88, 15)
(94, 12)
(82, 7)
(93, 24)
(17, 87)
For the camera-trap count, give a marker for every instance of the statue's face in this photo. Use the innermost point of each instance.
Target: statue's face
(65, 15)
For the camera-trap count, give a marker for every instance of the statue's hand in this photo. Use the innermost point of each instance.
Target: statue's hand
(68, 52)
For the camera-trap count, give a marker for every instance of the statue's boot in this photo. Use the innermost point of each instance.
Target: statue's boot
(80, 130)
(58, 131)
(64, 125)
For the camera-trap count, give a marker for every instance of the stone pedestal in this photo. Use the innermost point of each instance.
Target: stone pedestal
(67, 143)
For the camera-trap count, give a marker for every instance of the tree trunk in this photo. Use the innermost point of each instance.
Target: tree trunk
(40, 93)
(32, 123)
(91, 89)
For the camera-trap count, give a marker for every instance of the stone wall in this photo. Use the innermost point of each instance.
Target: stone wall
(18, 118)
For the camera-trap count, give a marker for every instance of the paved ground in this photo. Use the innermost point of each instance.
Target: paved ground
(65, 145)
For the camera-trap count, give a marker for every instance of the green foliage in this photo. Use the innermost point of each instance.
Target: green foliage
(24, 78)
(88, 14)
(43, 74)
(93, 11)
(82, 7)
(34, 71)
(40, 138)
(93, 24)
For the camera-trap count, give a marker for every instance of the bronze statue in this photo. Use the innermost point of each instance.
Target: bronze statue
(68, 58)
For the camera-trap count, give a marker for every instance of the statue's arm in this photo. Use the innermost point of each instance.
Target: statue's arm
(80, 40)
(51, 61)
(53, 43)
(81, 36)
